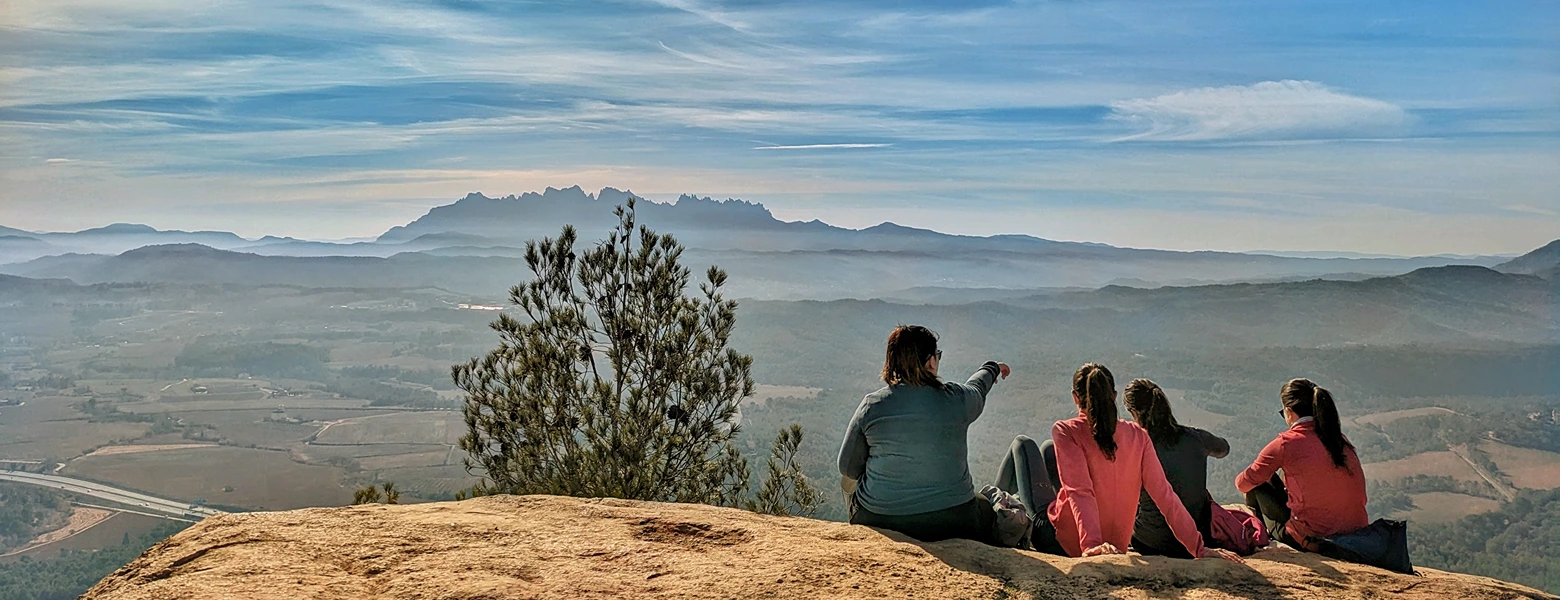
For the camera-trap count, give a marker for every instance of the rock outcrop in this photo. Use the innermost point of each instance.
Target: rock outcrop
(550, 547)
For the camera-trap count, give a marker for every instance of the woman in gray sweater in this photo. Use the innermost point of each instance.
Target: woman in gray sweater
(1183, 452)
(905, 447)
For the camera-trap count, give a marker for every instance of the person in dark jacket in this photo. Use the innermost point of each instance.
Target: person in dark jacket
(1183, 453)
(906, 449)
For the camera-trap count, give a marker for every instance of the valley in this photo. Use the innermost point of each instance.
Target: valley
(219, 380)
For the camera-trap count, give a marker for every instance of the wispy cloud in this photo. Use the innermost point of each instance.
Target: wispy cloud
(821, 146)
(1270, 110)
(164, 104)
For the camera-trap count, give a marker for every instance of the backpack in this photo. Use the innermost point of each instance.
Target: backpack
(1237, 531)
(1383, 544)
(1011, 527)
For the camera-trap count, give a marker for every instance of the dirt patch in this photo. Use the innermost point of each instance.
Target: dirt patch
(688, 534)
(134, 449)
(80, 520)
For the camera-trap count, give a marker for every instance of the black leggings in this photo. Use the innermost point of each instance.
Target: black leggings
(973, 520)
(1270, 500)
(1029, 470)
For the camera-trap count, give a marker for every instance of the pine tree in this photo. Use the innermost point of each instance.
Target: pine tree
(392, 495)
(367, 495)
(785, 490)
(616, 382)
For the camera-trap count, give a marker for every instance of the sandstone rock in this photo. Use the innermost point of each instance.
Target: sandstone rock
(550, 547)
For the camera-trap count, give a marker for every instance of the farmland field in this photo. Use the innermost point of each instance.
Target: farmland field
(107, 533)
(1445, 507)
(318, 453)
(260, 479)
(48, 428)
(434, 458)
(1526, 467)
(268, 404)
(1426, 463)
(1382, 418)
(430, 482)
(429, 427)
(251, 427)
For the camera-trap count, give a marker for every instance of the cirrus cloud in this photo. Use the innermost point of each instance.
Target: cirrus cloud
(1266, 111)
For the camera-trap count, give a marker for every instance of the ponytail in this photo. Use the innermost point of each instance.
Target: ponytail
(1328, 428)
(1151, 409)
(1095, 388)
(1307, 399)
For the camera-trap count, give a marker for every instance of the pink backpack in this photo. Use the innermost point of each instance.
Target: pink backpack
(1237, 531)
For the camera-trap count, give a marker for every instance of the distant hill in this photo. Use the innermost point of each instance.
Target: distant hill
(197, 264)
(110, 239)
(1456, 306)
(470, 242)
(799, 274)
(1542, 261)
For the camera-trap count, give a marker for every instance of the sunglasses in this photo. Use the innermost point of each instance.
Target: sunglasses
(937, 355)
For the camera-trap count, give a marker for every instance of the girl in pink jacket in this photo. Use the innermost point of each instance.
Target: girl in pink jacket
(1086, 480)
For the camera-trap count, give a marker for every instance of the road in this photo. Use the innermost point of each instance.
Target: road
(1505, 491)
(128, 498)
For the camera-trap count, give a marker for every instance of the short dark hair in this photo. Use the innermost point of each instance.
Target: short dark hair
(909, 347)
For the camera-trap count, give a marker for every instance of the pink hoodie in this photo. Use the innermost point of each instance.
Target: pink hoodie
(1099, 497)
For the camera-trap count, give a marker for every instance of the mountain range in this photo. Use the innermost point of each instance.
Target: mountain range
(475, 245)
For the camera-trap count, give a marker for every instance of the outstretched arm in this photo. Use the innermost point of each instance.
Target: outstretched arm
(1213, 445)
(978, 386)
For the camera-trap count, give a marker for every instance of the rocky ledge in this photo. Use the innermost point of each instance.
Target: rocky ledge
(505, 547)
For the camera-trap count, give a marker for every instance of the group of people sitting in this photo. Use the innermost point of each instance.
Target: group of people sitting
(1099, 485)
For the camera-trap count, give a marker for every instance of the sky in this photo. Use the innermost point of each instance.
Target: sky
(1397, 127)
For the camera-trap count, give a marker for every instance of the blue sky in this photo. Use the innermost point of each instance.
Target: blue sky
(1396, 127)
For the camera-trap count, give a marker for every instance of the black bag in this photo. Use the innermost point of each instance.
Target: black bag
(1382, 544)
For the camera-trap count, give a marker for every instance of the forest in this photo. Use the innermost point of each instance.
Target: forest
(73, 571)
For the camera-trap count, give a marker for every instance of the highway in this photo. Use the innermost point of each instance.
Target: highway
(133, 500)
